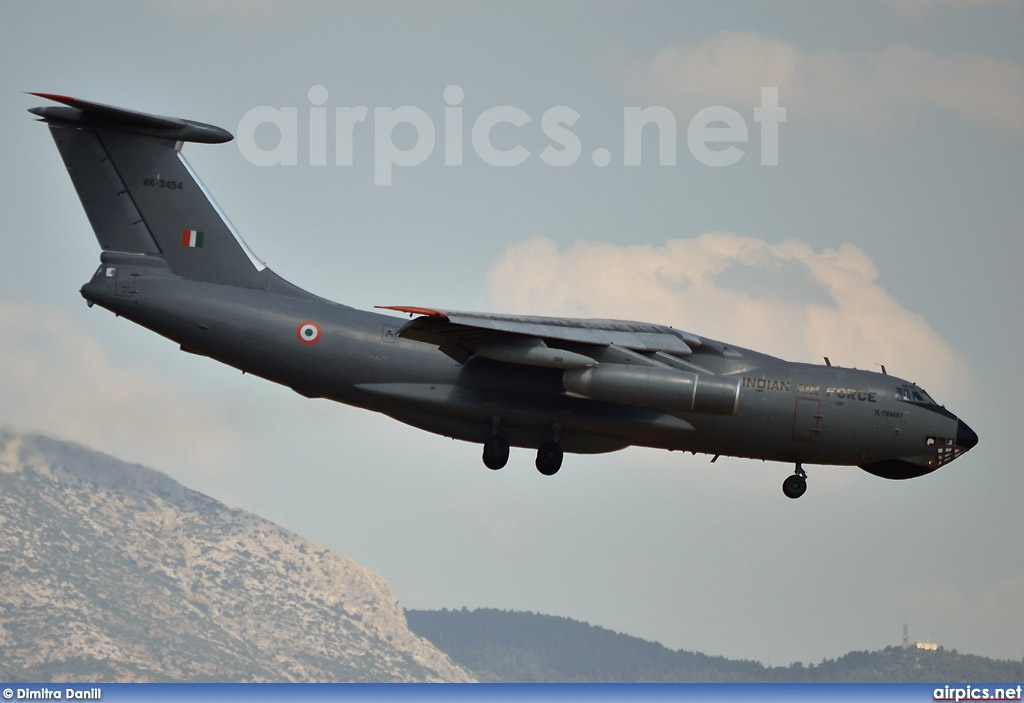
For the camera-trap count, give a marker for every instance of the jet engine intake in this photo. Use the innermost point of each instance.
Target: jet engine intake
(650, 387)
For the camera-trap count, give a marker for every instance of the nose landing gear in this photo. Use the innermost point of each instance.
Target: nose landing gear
(796, 485)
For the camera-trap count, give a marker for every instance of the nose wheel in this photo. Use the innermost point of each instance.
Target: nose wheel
(796, 485)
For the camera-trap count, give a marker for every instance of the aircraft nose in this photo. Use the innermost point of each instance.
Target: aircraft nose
(966, 438)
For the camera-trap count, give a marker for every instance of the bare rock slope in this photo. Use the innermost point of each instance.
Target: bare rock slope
(112, 571)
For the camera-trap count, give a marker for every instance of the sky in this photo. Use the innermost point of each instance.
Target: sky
(496, 167)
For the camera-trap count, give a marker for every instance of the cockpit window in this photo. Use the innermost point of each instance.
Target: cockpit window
(914, 394)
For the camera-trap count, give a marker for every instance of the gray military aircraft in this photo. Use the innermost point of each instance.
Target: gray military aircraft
(172, 262)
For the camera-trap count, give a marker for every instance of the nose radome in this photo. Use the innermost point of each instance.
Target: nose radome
(965, 436)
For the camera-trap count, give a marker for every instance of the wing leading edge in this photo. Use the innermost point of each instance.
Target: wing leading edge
(538, 341)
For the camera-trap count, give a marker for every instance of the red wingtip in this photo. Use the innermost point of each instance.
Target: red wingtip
(412, 310)
(67, 100)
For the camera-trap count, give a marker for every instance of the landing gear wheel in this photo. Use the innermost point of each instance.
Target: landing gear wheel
(549, 458)
(495, 453)
(795, 486)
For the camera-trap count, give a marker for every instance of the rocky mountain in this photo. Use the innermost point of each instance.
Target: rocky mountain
(112, 571)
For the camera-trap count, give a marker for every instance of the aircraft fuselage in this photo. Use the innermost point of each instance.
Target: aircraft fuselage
(785, 411)
(172, 262)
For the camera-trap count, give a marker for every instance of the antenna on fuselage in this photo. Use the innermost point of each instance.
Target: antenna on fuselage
(827, 362)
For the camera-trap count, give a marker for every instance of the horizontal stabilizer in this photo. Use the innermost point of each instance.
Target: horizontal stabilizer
(98, 116)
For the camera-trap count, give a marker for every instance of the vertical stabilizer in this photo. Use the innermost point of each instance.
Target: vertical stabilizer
(140, 194)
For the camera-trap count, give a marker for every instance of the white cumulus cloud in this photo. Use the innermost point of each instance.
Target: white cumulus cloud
(916, 8)
(785, 299)
(57, 379)
(867, 91)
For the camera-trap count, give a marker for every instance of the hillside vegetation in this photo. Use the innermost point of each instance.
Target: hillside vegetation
(505, 646)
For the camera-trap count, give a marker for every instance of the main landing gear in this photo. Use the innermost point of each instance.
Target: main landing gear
(495, 456)
(495, 448)
(549, 458)
(495, 453)
(795, 485)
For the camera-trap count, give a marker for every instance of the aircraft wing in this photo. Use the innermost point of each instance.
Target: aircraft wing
(538, 341)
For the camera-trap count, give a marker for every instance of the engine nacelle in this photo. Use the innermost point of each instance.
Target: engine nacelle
(653, 387)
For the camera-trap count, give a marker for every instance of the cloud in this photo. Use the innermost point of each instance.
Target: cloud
(916, 8)
(58, 379)
(784, 299)
(865, 91)
(220, 8)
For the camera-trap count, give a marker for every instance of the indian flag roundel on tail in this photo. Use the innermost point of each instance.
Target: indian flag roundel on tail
(191, 238)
